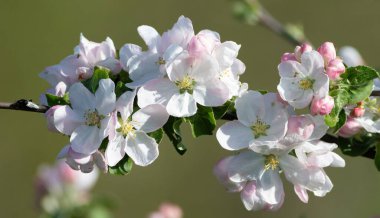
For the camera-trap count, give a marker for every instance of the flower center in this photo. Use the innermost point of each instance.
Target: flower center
(93, 118)
(306, 83)
(126, 129)
(271, 162)
(260, 128)
(186, 84)
(225, 73)
(160, 61)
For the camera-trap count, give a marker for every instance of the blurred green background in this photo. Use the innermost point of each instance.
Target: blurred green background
(35, 34)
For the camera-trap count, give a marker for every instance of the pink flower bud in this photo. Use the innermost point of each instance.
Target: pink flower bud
(288, 57)
(50, 118)
(203, 43)
(300, 126)
(299, 50)
(322, 106)
(327, 50)
(221, 173)
(335, 68)
(357, 112)
(350, 128)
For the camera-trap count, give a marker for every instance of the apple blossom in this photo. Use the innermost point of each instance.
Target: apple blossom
(131, 132)
(335, 68)
(261, 121)
(87, 120)
(300, 82)
(322, 106)
(350, 128)
(299, 50)
(328, 52)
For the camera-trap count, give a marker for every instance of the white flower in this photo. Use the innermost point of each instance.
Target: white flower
(145, 66)
(80, 65)
(130, 136)
(87, 119)
(189, 83)
(262, 120)
(300, 82)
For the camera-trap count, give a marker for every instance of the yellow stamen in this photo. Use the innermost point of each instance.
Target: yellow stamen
(306, 83)
(271, 162)
(260, 128)
(93, 118)
(186, 84)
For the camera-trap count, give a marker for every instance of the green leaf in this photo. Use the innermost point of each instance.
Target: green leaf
(104, 144)
(360, 93)
(120, 88)
(377, 157)
(157, 135)
(92, 83)
(123, 167)
(341, 98)
(342, 118)
(53, 100)
(219, 112)
(173, 131)
(203, 122)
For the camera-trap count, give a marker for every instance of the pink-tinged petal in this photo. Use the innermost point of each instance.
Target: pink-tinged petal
(115, 150)
(100, 161)
(288, 91)
(105, 97)
(234, 135)
(110, 63)
(214, 93)
(66, 120)
(180, 34)
(320, 127)
(250, 106)
(172, 53)
(124, 104)
(313, 62)
(251, 198)
(143, 68)
(320, 160)
(81, 98)
(141, 148)
(113, 125)
(150, 118)
(238, 67)
(204, 69)
(221, 172)
(85, 139)
(226, 53)
(150, 36)
(126, 52)
(301, 193)
(321, 85)
(294, 169)
(158, 91)
(181, 105)
(271, 187)
(246, 166)
(179, 67)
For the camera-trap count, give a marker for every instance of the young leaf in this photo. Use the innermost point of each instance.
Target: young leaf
(92, 83)
(53, 100)
(203, 122)
(123, 167)
(157, 135)
(219, 112)
(341, 98)
(173, 131)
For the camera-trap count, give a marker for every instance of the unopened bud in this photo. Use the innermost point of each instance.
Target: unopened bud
(322, 106)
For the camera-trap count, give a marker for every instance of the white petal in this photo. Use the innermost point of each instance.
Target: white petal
(291, 69)
(66, 120)
(143, 68)
(150, 118)
(250, 106)
(313, 62)
(294, 170)
(157, 91)
(246, 166)
(181, 105)
(214, 93)
(338, 161)
(301, 193)
(85, 139)
(112, 64)
(179, 67)
(271, 187)
(105, 97)
(251, 198)
(321, 85)
(172, 52)
(115, 150)
(141, 148)
(204, 69)
(226, 53)
(149, 35)
(238, 67)
(126, 52)
(124, 104)
(234, 136)
(81, 98)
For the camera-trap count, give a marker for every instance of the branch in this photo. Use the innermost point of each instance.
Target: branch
(24, 105)
(375, 93)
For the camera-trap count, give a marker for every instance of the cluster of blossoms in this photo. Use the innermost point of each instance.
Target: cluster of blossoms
(116, 106)
(60, 188)
(180, 71)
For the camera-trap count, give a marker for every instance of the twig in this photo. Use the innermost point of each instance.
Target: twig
(24, 105)
(375, 93)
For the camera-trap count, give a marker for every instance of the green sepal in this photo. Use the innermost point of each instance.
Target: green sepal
(203, 122)
(122, 168)
(92, 83)
(157, 135)
(173, 131)
(53, 100)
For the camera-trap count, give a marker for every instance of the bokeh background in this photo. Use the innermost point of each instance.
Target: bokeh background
(38, 33)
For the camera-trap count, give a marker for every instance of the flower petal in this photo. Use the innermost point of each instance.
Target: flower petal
(85, 139)
(105, 97)
(181, 105)
(66, 120)
(81, 98)
(212, 94)
(126, 52)
(157, 91)
(124, 104)
(250, 106)
(234, 135)
(150, 36)
(150, 118)
(271, 187)
(115, 150)
(141, 148)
